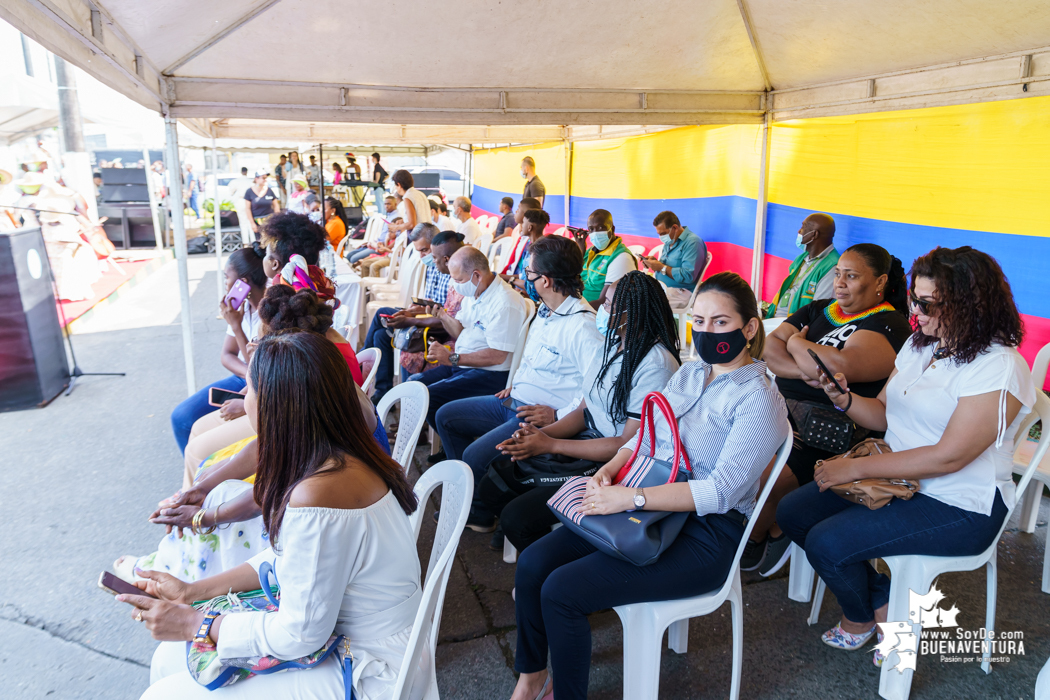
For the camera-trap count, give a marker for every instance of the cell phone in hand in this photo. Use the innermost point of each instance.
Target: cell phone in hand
(237, 294)
(825, 370)
(118, 586)
(217, 397)
(424, 302)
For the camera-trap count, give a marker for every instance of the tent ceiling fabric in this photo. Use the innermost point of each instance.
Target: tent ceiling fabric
(551, 62)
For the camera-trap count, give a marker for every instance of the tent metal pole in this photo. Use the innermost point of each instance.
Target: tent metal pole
(157, 216)
(178, 225)
(320, 177)
(758, 250)
(568, 178)
(216, 210)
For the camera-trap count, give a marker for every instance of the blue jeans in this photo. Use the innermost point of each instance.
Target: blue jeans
(359, 254)
(470, 429)
(448, 384)
(379, 337)
(561, 579)
(839, 538)
(187, 412)
(193, 201)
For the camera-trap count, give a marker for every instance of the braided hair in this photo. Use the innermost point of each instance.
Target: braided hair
(284, 307)
(647, 321)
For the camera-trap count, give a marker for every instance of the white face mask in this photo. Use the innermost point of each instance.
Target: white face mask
(524, 175)
(467, 289)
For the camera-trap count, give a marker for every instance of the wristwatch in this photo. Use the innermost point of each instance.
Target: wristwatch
(639, 499)
(204, 632)
(454, 359)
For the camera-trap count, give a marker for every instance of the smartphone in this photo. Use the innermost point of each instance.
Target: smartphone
(118, 586)
(825, 370)
(237, 294)
(508, 403)
(217, 396)
(424, 302)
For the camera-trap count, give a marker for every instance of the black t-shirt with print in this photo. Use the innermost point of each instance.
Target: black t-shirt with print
(893, 325)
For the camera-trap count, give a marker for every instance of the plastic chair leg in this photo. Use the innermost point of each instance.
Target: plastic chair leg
(800, 576)
(510, 554)
(678, 636)
(894, 685)
(435, 441)
(1046, 563)
(818, 601)
(992, 570)
(641, 654)
(1030, 506)
(736, 609)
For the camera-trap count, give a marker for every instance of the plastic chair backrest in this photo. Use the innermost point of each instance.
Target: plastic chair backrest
(483, 242)
(782, 456)
(699, 281)
(655, 252)
(771, 324)
(1041, 411)
(415, 400)
(411, 284)
(495, 252)
(637, 249)
(1040, 365)
(457, 489)
(368, 360)
(523, 336)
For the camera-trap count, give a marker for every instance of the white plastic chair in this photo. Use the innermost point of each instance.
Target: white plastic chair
(457, 488)
(495, 251)
(519, 348)
(1033, 494)
(368, 359)
(637, 249)
(771, 324)
(415, 400)
(644, 623)
(483, 242)
(918, 572)
(655, 252)
(1042, 683)
(683, 312)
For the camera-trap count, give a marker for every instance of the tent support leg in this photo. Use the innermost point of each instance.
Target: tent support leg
(178, 226)
(758, 250)
(216, 210)
(568, 178)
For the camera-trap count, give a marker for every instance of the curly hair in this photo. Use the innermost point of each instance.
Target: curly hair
(647, 322)
(288, 234)
(975, 306)
(283, 307)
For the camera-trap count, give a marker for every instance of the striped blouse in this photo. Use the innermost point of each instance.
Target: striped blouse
(730, 429)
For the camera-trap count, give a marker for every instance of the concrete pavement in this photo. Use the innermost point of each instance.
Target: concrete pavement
(82, 475)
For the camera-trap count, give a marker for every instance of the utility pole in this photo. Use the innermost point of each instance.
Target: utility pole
(68, 108)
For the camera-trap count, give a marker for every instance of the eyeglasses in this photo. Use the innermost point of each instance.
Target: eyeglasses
(528, 272)
(922, 305)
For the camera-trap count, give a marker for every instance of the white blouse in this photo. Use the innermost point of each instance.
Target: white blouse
(920, 400)
(352, 571)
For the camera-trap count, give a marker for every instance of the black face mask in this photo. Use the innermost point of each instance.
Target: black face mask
(719, 348)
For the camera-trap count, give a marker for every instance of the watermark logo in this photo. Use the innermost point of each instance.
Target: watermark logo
(939, 634)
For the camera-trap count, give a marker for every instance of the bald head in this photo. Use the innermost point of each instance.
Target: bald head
(465, 261)
(600, 219)
(818, 232)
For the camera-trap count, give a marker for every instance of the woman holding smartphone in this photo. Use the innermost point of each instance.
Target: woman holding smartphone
(245, 266)
(323, 487)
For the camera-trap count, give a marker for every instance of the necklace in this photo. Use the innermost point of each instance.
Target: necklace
(838, 317)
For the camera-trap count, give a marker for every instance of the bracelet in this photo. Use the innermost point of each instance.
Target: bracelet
(208, 530)
(195, 522)
(849, 404)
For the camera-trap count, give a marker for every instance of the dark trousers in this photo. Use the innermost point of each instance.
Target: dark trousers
(561, 579)
(839, 538)
(448, 384)
(379, 337)
(525, 518)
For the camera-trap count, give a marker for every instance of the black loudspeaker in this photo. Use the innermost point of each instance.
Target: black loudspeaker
(33, 366)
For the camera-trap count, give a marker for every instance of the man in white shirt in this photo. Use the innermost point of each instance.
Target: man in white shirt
(440, 220)
(486, 331)
(467, 225)
(235, 190)
(563, 340)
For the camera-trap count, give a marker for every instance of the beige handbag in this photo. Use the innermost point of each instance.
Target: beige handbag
(873, 493)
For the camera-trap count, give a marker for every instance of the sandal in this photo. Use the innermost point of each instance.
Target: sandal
(878, 658)
(841, 639)
(547, 691)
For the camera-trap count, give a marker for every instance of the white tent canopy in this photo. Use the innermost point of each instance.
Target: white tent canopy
(551, 62)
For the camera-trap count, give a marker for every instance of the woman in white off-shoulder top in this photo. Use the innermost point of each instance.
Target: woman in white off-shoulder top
(344, 551)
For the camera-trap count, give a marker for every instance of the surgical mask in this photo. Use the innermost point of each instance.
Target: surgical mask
(600, 239)
(719, 348)
(428, 260)
(602, 319)
(524, 175)
(665, 238)
(466, 289)
(530, 289)
(799, 243)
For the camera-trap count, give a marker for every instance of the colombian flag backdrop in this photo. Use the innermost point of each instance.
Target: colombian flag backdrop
(909, 181)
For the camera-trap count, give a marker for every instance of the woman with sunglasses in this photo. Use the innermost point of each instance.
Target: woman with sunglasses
(951, 410)
(857, 333)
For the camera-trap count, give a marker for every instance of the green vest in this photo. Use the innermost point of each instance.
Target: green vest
(808, 285)
(595, 265)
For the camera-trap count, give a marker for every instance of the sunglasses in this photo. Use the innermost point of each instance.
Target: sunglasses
(922, 305)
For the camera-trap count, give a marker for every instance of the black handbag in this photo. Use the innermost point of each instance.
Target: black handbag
(823, 427)
(414, 339)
